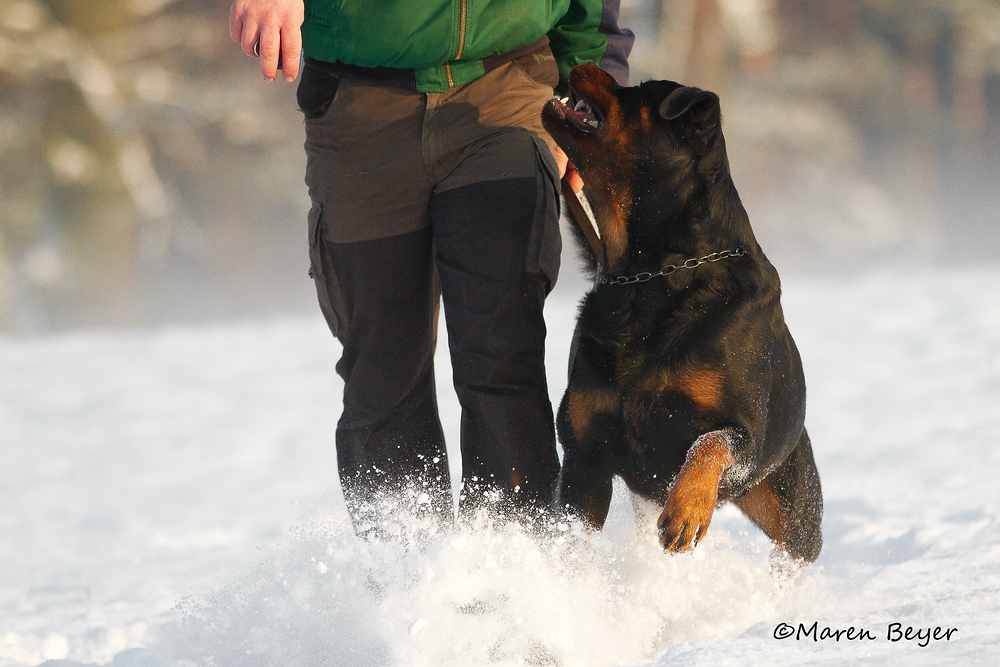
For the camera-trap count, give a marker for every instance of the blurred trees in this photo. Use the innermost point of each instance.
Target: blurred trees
(860, 130)
(884, 60)
(144, 167)
(147, 173)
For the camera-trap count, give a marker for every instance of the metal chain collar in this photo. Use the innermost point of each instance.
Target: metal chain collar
(692, 263)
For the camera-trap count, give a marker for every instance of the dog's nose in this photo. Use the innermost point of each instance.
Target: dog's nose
(589, 76)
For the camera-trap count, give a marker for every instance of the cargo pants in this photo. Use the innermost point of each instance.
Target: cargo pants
(418, 197)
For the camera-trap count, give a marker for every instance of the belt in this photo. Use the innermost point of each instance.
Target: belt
(405, 77)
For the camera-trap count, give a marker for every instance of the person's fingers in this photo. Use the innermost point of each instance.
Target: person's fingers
(573, 176)
(251, 33)
(561, 161)
(568, 169)
(291, 48)
(236, 22)
(269, 47)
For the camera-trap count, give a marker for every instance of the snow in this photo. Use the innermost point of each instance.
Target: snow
(169, 497)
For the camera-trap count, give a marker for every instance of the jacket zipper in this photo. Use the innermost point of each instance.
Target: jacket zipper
(463, 18)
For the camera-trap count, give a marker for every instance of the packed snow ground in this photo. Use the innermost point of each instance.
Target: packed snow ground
(170, 498)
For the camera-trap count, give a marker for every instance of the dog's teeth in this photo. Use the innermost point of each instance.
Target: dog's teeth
(579, 105)
(593, 123)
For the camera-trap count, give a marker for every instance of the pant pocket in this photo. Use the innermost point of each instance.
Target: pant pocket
(331, 301)
(540, 67)
(545, 244)
(316, 92)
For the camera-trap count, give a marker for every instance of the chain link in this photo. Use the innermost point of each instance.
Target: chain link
(692, 263)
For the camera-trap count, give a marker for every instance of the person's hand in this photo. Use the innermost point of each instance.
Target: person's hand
(568, 170)
(273, 27)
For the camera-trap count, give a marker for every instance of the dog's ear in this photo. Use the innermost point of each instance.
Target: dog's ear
(685, 99)
(699, 107)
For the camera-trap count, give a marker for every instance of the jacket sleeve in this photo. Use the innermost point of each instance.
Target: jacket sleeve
(589, 33)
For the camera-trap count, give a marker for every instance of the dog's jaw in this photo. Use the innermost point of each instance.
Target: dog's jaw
(579, 114)
(577, 120)
(607, 181)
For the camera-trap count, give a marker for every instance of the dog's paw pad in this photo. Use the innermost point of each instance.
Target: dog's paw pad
(681, 527)
(677, 539)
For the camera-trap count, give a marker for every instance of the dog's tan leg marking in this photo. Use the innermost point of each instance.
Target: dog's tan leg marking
(703, 386)
(762, 506)
(583, 404)
(691, 501)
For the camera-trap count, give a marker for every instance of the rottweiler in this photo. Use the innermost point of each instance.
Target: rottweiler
(684, 380)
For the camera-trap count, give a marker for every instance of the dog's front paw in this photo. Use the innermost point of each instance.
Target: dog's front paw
(686, 514)
(691, 501)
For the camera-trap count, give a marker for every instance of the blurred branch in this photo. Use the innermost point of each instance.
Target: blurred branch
(135, 145)
(52, 51)
(141, 156)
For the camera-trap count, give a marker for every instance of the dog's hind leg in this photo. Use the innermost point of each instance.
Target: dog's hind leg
(788, 504)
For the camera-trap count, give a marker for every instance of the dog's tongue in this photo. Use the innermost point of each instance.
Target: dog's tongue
(580, 114)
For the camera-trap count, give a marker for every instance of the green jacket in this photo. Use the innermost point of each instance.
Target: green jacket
(445, 41)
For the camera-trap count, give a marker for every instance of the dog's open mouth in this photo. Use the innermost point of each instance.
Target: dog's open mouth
(577, 112)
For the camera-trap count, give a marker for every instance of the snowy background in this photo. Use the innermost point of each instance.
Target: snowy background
(170, 498)
(168, 491)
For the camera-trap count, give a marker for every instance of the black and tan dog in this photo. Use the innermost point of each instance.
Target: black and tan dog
(684, 380)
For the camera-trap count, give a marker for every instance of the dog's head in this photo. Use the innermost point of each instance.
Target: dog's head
(654, 146)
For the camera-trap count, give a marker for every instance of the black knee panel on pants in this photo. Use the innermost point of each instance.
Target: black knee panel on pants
(485, 240)
(389, 436)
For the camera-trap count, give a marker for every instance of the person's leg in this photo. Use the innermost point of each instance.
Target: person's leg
(488, 243)
(494, 215)
(389, 439)
(371, 258)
